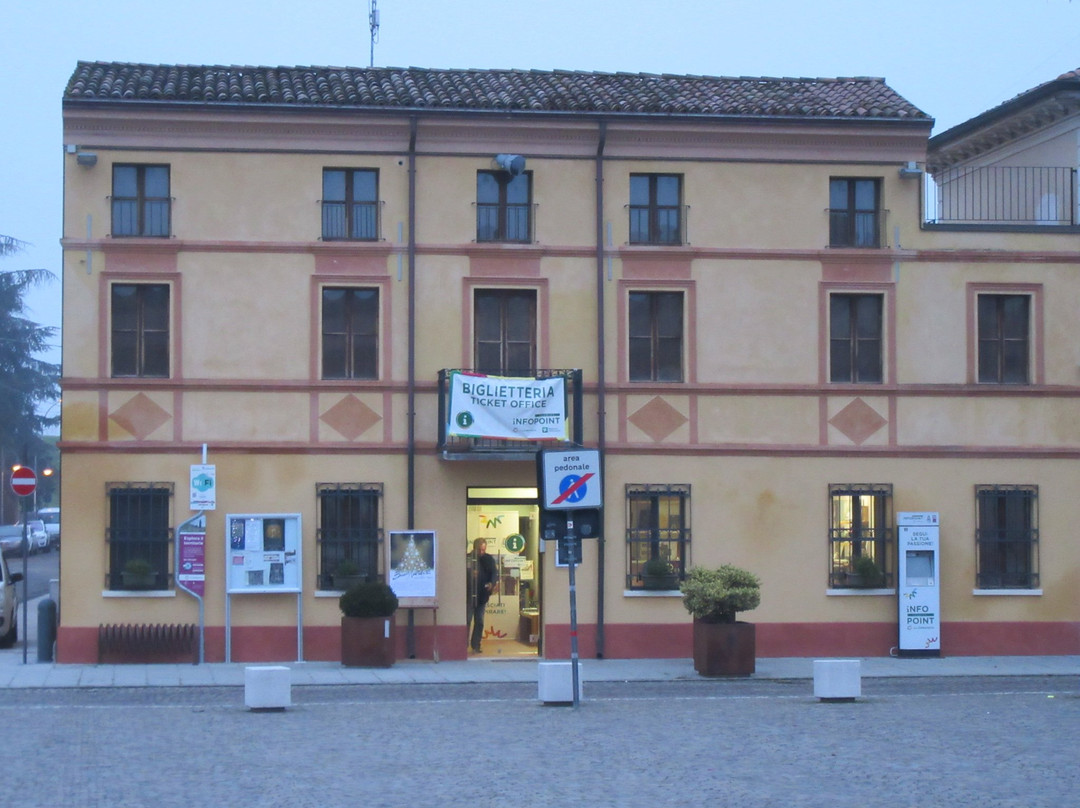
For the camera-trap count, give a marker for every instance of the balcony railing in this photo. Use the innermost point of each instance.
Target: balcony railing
(1003, 195)
(356, 221)
(857, 228)
(504, 222)
(458, 448)
(659, 225)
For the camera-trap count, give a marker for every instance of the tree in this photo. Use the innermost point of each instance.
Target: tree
(25, 381)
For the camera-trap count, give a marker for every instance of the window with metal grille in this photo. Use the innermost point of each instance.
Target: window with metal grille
(139, 536)
(350, 204)
(140, 330)
(503, 206)
(349, 533)
(657, 530)
(656, 209)
(141, 205)
(655, 338)
(1007, 536)
(860, 536)
(855, 342)
(504, 331)
(350, 333)
(1004, 327)
(855, 214)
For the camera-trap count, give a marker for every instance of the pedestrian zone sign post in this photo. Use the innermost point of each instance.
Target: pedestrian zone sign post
(570, 480)
(23, 483)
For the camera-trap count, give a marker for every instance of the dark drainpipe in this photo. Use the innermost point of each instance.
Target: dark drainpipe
(600, 372)
(411, 508)
(410, 636)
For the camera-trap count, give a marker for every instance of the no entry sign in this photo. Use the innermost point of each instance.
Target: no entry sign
(23, 481)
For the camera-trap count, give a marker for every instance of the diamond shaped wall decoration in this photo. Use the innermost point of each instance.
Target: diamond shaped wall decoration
(139, 416)
(657, 419)
(350, 417)
(858, 421)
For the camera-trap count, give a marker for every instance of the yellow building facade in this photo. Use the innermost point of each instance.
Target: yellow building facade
(273, 272)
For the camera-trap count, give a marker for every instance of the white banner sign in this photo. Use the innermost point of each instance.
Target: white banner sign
(505, 407)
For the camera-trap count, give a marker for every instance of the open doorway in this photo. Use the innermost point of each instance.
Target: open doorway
(506, 521)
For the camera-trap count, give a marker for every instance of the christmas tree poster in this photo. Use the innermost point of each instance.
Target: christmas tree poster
(412, 567)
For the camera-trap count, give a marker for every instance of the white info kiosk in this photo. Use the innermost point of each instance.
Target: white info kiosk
(920, 584)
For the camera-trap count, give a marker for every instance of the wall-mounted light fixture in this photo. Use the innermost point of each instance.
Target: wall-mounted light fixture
(86, 159)
(512, 164)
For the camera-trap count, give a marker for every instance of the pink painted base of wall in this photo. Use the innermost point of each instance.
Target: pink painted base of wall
(624, 641)
(79, 646)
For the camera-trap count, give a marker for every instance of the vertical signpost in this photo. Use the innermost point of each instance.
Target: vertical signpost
(191, 541)
(24, 483)
(191, 568)
(569, 481)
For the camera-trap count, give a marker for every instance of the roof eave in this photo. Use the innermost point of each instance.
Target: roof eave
(401, 111)
(1004, 111)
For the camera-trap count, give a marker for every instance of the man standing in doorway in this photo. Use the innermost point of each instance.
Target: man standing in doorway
(486, 578)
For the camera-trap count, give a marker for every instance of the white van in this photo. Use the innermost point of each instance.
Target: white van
(51, 518)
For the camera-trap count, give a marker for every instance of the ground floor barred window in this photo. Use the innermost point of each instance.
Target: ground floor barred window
(139, 536)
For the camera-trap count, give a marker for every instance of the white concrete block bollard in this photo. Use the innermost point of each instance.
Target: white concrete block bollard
(556, 682)
(267, 687)
(837, 679)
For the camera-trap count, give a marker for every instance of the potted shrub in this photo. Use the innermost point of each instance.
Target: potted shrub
(723, 645)
(659, 573)
(367, 625)
(346, 575)
(138, 573)
(865, 573)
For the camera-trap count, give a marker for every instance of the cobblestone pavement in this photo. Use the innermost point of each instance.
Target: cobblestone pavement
(1001, 741)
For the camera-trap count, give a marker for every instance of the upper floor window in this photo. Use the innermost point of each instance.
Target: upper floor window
(139, 535)
(140, 200)
(350, 333)
(855, 215)
(860, 536)
(1007, 536)
(656, 209)
(348, 532)
(657, 535)
(1004, 329)
(503, 206)
(350, 204)
(140, 329)
(655, 339)
(855, 337)
(504, 331)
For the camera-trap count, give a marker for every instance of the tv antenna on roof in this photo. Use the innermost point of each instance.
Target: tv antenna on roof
(373, 24)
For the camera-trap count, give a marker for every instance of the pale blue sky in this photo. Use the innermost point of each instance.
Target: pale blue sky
(951, 58)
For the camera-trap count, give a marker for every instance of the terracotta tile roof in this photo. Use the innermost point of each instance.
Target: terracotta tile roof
(490, 90)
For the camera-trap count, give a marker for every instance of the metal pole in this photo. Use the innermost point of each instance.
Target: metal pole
(572, 545)
(26, 578)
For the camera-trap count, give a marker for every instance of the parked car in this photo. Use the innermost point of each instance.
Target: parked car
(9, 601)
(11, 537)
(38, 536)
(51, 518)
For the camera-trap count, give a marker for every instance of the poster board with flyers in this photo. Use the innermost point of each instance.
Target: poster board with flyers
(413, 564)
(262, 553)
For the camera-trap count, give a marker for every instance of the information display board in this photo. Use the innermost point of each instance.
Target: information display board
(262, 552)
(413, 563)
(920, 584)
